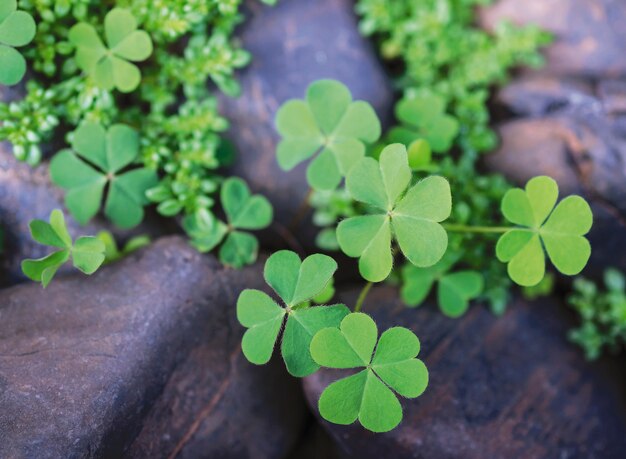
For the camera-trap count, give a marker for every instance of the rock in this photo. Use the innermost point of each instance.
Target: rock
(293, 44)
(499, 388)
(87, 365)
(576, 133)
(589, 34)
(316, 443)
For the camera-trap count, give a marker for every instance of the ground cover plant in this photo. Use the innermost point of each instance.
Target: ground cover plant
(124, 87)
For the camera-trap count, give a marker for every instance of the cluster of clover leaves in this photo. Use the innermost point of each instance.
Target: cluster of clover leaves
(400, 213)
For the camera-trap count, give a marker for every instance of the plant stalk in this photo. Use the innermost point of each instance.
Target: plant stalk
(476, 229)
(362, 295)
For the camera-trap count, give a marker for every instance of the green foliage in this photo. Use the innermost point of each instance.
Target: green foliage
(330, 123)
(424, 118)
(244, 211)
(113, 253)
(602, 314)
(388, 364)
(17, 28)
(560, 230)
(295, 282)
(443, 53)
(411, 217)
(454, 289)
(87, 252)
(112, 66)
(99, 159)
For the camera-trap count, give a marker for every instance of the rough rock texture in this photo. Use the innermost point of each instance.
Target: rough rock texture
(509, 387)
(82, 362)
(293, 44)
(575, 132)
(590, 34)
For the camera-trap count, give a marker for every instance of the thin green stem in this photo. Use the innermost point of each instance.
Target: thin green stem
(362, 295)
(476, 229)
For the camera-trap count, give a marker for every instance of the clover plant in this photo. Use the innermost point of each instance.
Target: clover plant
(112, 65)
(99, 158)
(408, 214)
(295, 282)
(114, 253)
(387, 364)
(87, 252)
(17, 28)
(244, 211)
(424, 118)
(330, 124)
(560, 230)
(454, 289)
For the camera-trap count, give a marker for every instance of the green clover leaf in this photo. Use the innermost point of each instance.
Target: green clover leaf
(109, 66)
(328, 123)
(411, 218)
(367, 395)
(560, 230)
(295, 282)
(454, 289)
(87, 252)
(425, 118)
(96, 161)
(17, 28)
(244, 211)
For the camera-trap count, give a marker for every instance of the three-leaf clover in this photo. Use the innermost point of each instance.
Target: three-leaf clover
(87, 252)
(424, 117)
(560, 230)
(109, 66)
(330, 123)
(411, 218)
(390, 364)
(17, 28)
(97, 160)
(295, 282)
(454, 289)
(244, 211)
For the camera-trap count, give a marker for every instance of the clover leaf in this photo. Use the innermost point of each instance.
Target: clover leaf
(454, 289)
(98, 158)
(424, 117)
(295, 282)
(17, 28)
(243, 211)
(328, 123)
(367, 395)
(411, 218)
(109, 66)
(87, 252)
(560, 230)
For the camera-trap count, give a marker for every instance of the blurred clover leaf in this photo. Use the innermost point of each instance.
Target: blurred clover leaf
(411, 218)
(112, 66)
(113, 253)
(454, 289)
(424, 117)
(244, 211)
(17, 28)
(390, 364)
(87, 252)
(295, 282)
(98, 158)
(560, 230)
(328, 122)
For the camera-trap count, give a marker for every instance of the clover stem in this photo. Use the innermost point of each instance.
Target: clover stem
(301, 212)
(475, 229)
(362, 295)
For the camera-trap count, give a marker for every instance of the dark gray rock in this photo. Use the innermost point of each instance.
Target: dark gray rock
(293, 44)
(589, 34)
(509, 387)
(146, 346)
